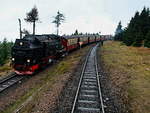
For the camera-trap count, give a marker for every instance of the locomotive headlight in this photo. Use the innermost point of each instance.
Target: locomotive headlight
(28, 60)
(21, 43)
(13, 59)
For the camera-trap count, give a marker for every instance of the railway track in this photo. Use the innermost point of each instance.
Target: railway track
(88, 97)
(9, 81)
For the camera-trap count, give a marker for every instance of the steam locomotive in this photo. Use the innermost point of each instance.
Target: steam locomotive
(33, 52)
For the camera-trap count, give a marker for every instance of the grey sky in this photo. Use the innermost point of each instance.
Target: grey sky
(84, 15)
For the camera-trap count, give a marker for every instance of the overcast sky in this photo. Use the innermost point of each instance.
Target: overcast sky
(84, 15)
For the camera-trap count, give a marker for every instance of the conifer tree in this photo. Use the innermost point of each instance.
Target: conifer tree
(138, 40)
(1, 54)
(32, 17)
(118, 32)
(58, 19)
(131, 30)
(144, 26)
(5, 49)
(76, 32)
(137, 31)
(147, 40)
(119, 28)
(127, 37)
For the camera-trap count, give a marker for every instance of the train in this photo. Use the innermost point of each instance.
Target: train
(34, 52)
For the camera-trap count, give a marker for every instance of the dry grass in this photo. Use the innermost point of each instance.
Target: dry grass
(129, 69)
(5, 69)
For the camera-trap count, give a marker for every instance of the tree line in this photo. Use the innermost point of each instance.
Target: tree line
(5, 51)
(137, 33)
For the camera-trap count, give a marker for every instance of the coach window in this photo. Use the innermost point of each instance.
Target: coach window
(74, 41)
(70, 42)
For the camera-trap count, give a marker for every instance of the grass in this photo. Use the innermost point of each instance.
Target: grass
(129, 69)
(50, 77)
(5, 69)
(14, 105)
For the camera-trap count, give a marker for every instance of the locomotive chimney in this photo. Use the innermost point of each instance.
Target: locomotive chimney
(20, 28)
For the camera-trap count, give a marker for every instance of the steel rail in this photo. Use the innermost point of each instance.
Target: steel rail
(9, 81)
(82, 73)
(98, 80)
(8, 77)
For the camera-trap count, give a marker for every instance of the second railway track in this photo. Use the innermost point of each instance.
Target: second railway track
(9, 81)
(88, 97)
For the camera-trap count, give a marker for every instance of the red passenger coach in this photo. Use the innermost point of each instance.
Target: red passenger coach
(92, 38)
(98, 38)
(72, 42)
(84, 39)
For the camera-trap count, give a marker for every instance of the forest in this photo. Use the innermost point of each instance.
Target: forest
(137, 32)
(5, 51)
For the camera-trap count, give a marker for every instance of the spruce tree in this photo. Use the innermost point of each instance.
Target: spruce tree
(119, 28)
(119, 32)
(144, 20)
(76, 32)
(138, 40)
(1, 55)
(132, 29)
(5, 49)
(147, 40)
(127, 37)
(137, 31)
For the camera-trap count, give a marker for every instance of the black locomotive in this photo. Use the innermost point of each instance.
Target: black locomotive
(34, 51)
